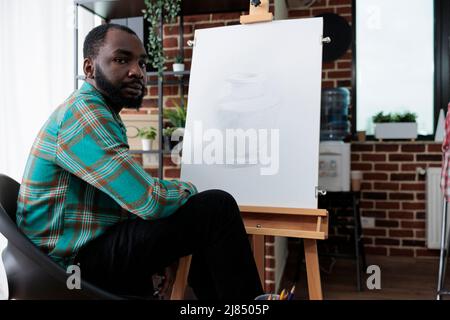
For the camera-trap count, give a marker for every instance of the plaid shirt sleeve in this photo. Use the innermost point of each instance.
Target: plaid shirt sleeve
(445, 174)
(93, 146)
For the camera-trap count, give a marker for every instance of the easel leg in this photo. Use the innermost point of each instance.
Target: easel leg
(258, 253)
(179, 286)
(312, 269)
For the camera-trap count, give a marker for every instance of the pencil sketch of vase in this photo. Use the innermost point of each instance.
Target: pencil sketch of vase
(248, 105)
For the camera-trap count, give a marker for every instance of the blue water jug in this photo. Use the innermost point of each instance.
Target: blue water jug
(334, 123)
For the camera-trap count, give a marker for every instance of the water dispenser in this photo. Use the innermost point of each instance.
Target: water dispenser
(334, 123)
(334, 157)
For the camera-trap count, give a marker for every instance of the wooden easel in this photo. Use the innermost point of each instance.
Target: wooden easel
(180, 283)
(308, 224)
(258, 13)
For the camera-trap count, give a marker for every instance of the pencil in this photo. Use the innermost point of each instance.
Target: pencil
(283, 294)
(291, 294)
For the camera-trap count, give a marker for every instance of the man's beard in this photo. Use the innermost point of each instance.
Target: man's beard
(113, 92)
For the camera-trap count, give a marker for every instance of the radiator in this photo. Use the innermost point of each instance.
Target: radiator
(434, 199)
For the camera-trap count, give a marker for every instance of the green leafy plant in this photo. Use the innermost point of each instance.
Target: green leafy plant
(179, 59)
(380, 118)
(176, 116)
(147, 133)
(170, 142)
(167, 132)
(394, 117)
(154, 12)
(405, 117)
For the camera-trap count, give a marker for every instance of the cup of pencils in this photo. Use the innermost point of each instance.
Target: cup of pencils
(268, 296)
(284, 295)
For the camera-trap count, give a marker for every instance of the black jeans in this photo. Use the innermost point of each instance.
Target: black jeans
(208, 226)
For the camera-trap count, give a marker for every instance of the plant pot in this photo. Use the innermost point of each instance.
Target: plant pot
(178, 67)
(167, 143)
(147, 144)
(148, 159)
(396, 130)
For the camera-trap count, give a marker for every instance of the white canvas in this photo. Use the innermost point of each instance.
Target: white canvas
(263, 77)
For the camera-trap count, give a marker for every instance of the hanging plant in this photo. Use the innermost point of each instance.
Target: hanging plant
(168, 11)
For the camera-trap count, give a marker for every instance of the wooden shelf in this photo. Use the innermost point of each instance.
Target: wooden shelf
(278, 210)
(120, 9)
(169, 73)
(150, 151)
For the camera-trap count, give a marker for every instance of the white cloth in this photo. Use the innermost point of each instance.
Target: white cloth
(36, 63)
(4, 293)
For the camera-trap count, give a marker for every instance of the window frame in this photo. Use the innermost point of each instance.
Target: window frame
(441, 63)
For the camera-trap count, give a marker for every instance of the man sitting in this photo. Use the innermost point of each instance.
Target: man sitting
(84, 200)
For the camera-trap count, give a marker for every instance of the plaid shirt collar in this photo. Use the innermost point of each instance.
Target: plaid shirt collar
(88, 88)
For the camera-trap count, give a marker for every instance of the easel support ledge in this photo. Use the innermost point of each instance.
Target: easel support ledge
(258, 13)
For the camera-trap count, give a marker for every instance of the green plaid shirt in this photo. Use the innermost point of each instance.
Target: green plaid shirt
(80, 179)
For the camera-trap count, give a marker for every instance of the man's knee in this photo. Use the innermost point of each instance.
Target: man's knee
(220, 198)
(219, 202)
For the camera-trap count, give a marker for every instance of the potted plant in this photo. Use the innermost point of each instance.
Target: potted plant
(167, 138)
(176, 116)
(395, 125)
(156, 12)
(177, 119)
(148, 136)
(178, 66)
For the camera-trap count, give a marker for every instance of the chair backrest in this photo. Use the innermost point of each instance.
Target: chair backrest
(9, 191)
(31, 273)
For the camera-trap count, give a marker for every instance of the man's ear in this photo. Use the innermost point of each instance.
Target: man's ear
(89, 68)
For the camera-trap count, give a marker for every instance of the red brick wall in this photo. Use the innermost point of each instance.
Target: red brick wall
(337, 73)
(394, 194)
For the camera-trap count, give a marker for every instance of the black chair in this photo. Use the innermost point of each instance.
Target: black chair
(31, 273)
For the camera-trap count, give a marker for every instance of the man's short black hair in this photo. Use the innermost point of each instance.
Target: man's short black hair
(95, 38)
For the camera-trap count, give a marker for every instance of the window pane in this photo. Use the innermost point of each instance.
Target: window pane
(395, 60)
(86, 22)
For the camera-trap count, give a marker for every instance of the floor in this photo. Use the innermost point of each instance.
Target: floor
(402, 278)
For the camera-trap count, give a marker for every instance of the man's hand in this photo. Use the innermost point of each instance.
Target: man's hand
(168, 279)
